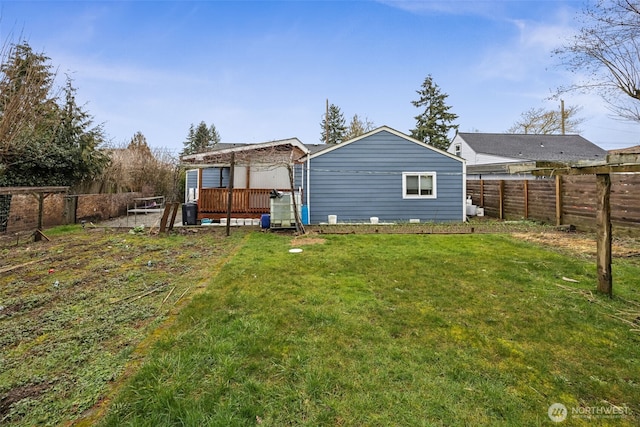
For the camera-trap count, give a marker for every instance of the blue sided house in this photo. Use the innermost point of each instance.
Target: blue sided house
(387, 175)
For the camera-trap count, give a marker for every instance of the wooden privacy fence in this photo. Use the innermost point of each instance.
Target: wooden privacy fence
(568, 199)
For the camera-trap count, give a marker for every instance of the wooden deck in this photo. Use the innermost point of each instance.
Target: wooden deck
(246, 202)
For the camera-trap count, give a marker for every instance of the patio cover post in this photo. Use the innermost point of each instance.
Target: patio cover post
(603, 220)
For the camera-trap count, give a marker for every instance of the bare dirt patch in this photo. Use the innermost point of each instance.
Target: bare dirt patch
(580, 243)
(16, 394)
(307, 240)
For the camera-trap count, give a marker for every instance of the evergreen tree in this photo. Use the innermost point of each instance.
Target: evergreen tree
(334, 124)
(25, 103)
(139, 145)
(357, 127)
(435, 121)
(142, 165)
(79, 140)
(200, 139)
(45, 143)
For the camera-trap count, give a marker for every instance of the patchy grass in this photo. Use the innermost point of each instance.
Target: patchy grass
(73, 310)
(583, 244)
(393, 330)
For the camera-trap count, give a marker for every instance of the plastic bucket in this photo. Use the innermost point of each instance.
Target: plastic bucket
(374, 220)
(265, 221)
(333, 219)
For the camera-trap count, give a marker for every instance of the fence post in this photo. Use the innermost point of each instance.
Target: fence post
(558, 200)
(526, 199)
(70, 209)
(501, 199)
(482, 193)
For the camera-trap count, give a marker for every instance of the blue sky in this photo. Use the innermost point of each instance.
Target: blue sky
(262, 71)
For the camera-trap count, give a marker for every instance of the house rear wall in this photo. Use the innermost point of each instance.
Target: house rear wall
(364, 179)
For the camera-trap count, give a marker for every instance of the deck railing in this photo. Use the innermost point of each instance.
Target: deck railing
(244, 201)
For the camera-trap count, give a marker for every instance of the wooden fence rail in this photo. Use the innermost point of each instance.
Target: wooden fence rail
(244, 200)
(562, 200)
(252, 200)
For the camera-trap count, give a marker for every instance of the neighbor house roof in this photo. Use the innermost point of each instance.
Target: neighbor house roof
(534, 147)
(314, 148)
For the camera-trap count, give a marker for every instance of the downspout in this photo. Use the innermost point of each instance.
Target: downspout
(302, 186)
(199, 185)
(186, 185)
(464, 190)
(308, 189)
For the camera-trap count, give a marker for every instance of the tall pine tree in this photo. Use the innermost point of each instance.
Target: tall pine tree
(43, 140)
(200, 139)
(26, 106)
(333, 126)
(435, 121)
(79, 140)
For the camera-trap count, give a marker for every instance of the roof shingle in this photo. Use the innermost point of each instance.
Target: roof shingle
(534, 146)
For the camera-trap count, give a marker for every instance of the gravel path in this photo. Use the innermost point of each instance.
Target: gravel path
(148, 220)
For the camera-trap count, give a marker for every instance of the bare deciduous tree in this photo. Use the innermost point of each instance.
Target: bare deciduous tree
(542, 121)
(357, 127)
(606, 53)
(139, 168)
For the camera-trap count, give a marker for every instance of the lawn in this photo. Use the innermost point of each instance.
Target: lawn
(76, 313)
(379, 330)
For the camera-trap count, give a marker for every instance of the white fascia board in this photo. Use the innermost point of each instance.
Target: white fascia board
(391, 131)
(248, 147)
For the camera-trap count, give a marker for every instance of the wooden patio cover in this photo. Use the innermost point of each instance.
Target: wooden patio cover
(620, 161)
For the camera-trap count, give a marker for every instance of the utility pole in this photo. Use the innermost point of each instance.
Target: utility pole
(326, 122)
(562, 115)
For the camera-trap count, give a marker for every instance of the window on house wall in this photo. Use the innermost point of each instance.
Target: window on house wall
(419, 185)
(458, 149)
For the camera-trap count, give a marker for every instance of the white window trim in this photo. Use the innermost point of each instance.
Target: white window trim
(434, 194)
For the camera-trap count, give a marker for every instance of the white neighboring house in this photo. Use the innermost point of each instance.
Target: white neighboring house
(489, 155)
